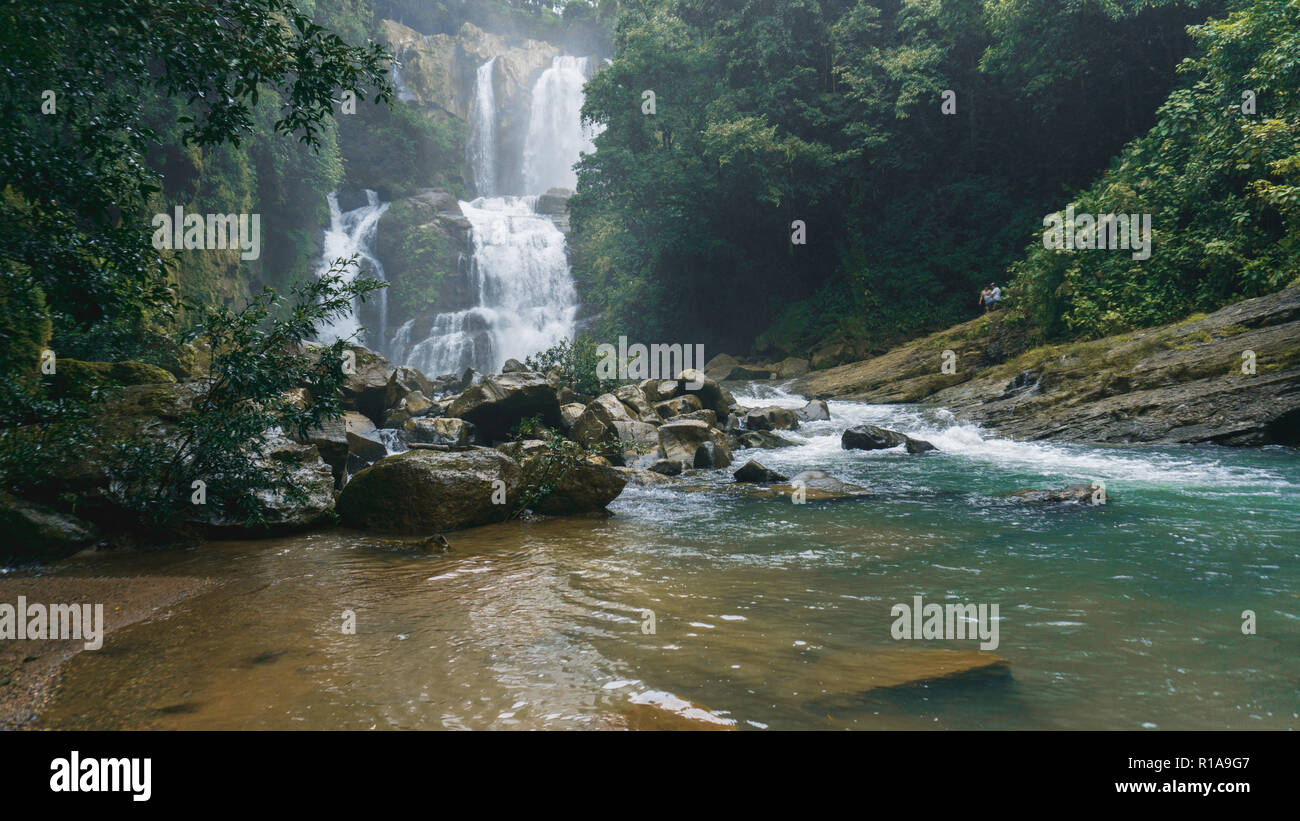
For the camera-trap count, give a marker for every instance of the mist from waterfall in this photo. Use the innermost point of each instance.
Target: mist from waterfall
(351, 233)
(483, 131)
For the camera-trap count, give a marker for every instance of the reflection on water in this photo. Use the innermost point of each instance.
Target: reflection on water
(766, 614)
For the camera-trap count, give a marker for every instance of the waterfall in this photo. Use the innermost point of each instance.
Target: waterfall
(526, 297)
(351, 232)
(525, 300)
(404, 92)
(556, 133)
(483, 131)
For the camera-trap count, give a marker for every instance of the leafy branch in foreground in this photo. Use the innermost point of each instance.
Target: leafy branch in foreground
(544, 471)
(245, 401)
(575, 362)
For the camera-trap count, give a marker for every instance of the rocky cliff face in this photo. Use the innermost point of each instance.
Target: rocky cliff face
(1232, 377)
(438, 71)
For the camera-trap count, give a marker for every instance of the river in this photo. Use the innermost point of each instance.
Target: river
(767, 614)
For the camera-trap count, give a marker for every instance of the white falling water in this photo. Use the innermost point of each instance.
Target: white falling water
(352, 232)
(404, 92)
(556, 134)
(526, 300)
(483, 131)
(526, 297)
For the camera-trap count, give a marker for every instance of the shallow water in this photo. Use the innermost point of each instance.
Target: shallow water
(1121, 616)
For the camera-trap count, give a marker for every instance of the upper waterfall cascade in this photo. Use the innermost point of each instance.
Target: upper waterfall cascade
(526, 299)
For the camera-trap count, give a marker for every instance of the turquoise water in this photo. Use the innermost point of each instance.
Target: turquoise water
(767, 614)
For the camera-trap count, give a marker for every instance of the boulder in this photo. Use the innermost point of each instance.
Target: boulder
(871, 437)
(637, 433)
(747, 373)
(666, 467)
(819, 485)
(720, 366)
(513, 366)
(406, 380)
(445, 430)
(758, 439)
(75, 378)
(711, 395)
(526, 449)
(1080, 494)
(642, 477)
(685, 439)
(596, 424)
(279, 510)
(815, 411)
(650, 390)
(500, 402)
(757, 473)
(585, 487)
(423, 490)
(791, 368)
(408, 407)
(706, 416)
(771, 417)
(569, 415)
(679, 406)
(365, 389)
(634, 399)
(918, 446)
(37, 533)
(331, 439)
(712, 454)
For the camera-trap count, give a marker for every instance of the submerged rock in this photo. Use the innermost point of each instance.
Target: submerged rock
(1081, 494)
(425, 490)
(818, 485)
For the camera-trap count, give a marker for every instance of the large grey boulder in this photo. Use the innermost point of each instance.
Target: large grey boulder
(771, 417)
(425, 491)
(279, 509)
(690, 442)
(872, 437)
(500, 402)
(585, 487)
(758, 473)
(448, 431)
(815, 411)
